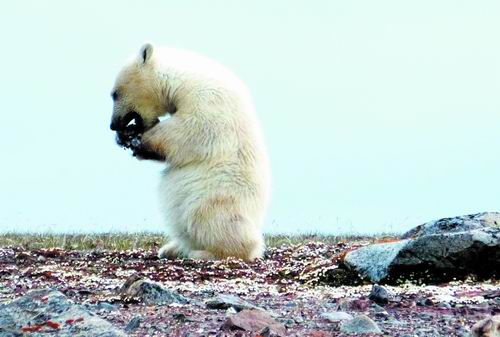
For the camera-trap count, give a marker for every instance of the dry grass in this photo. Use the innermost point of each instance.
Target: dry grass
(277, 240)
(126, 241)
(112, 241)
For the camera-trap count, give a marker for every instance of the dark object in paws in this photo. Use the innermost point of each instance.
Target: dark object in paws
(130, 137)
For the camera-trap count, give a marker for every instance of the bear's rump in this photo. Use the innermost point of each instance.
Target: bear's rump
(208, 211)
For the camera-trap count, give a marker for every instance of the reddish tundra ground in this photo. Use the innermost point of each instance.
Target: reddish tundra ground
(297, 284)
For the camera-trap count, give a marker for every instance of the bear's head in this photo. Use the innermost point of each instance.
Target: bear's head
(137, 95)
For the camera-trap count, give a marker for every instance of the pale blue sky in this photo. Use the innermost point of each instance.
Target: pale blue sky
(378, 115)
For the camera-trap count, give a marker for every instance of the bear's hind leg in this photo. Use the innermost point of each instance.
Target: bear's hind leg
(171, 250)
(204, 255)
(226, 236)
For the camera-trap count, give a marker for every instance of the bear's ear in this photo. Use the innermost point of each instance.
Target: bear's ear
(146, 52)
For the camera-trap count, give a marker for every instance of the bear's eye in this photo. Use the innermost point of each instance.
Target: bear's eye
(114, 95)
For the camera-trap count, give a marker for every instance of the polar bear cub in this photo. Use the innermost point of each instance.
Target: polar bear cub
(215, 187)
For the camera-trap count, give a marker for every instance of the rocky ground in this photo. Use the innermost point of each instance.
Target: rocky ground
(296, 290)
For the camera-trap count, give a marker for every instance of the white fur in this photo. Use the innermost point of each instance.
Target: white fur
(215, 188)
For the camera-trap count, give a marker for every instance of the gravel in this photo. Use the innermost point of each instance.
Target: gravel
(289, 285)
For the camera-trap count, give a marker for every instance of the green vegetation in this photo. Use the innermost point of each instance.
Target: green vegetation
(125, 241)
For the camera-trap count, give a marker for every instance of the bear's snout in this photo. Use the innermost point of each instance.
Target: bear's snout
(113, 126)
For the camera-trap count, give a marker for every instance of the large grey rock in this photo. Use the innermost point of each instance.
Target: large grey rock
(434, 252)
(454, 225)
(45, 311)
(373, 262)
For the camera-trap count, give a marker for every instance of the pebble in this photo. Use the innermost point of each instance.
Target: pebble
(422, 302)
(106, 306)
(377, 308)
(444, 305)
(379, 295)
(150, 292)
(133, 324)
(224, 301)
(230, 311)
(425, 315)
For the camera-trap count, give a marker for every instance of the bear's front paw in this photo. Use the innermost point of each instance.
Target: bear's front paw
(141, 152)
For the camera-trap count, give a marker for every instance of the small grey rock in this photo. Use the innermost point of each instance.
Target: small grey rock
(336, 316)
(359, 325)
(422, 302)
(230, 311)
(444, 305)
(394, 321)
(229, 301)
(106, 306)
(446, 318)
(377, 308)
(268, 332)
(255, 321)
(379, 295)
(379, 311)
(133, 324)
(150, 292)
(425, 316)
